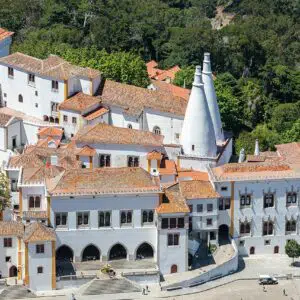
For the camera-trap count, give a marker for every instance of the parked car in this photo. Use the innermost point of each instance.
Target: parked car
(267, 279)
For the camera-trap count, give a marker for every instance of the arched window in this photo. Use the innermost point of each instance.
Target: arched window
(276, 249)
(129, 126)
(290, 226)
(46, 118)
(174, 269)
(245, 228)
(252, 250)
(268, 228)
(20, 98)
(156, 130)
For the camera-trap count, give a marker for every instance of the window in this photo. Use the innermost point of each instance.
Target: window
(242, 243)
(147, 216)
(4, 95)
(193, 147)
(20, 98)
(39, 248)
(129, 126)
(156, 130)
(54, 107)
(268, 228)
(36, 93)
(36, 105)
(209, 207)
(65, 118)
(290, 226)
(83, 219)
(245, 228)
(291, 198)
(104, 160)
(171, 223)
(126, 217)
(223, 188)
(7, 242)
(34, 202)
(61, 219)
(165, 223)
(10, 72)
(212, 236)
(74, 120)
(208, 222)
(133, 161)
(191, 208)
(224, 203)
(267, 242)
(7, 258)
(40, 270)
(13, 185)
(199, 207)
(31, 79)
(268, 200)
(173, 239)
(245, 200)
(54, 85)
(104, 218)
(177, 136)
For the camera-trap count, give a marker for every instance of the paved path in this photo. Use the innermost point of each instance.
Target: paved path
(16, 292)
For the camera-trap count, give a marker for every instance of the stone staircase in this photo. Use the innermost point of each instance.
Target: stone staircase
(16, 292)
(110, 286)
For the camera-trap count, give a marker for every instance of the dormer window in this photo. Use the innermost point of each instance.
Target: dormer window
(31, 79)
(54, 85)
(156, 130)
(10, 72)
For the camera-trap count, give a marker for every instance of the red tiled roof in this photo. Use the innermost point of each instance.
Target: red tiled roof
(106, 134)
(194, 175)
(168, 168)
(95, 114)
(5, 34)
(86, 151)
(50, 132)
(37, 232)
(195, 189)
(80, 102)
(154, 155)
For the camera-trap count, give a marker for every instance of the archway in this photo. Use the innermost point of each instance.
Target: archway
(223, 233)
(174, 269)
(13, 271)
(117, 252)
(64, 253)
(276, 249)
(90, 252)
(252, 250)
(144, 251)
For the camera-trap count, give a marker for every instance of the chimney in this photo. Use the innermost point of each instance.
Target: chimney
(198, 137)
(256, 150)
(54, 160)
(211, 97)
(242, 155)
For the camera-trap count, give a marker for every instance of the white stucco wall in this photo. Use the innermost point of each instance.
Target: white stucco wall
(40, 282)
(104, 238)
(12, 252)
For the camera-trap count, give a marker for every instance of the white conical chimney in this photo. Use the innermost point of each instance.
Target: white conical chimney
(256, 150)
(212, 98)
(198, 137)
(242, 155)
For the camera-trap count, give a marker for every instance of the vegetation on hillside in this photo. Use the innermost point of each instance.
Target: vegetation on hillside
(256, 57)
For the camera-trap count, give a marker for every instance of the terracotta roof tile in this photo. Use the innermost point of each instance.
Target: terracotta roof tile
(107, 134)
(194, 175)
(135, 99)
(95, 114)
(170, 88)
(11, 228)
(50, 132)
(37, 175)
(37, 232)
(154, 155)
(168, 167)
(80, 102)
(5, 34)
(176, 203)
(105, 181)
(4, 118)
(53, 66)
(170, 73)
(195, 189)
(86, 151)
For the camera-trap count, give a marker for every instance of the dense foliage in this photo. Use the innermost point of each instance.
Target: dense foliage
(256, 57)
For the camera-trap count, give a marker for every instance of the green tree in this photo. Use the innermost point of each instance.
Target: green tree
(185, 77)
(293, 134)
(4, 193)
(292, 249)
(284, 116)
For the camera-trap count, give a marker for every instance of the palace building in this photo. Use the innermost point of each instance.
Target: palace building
(110, 172)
